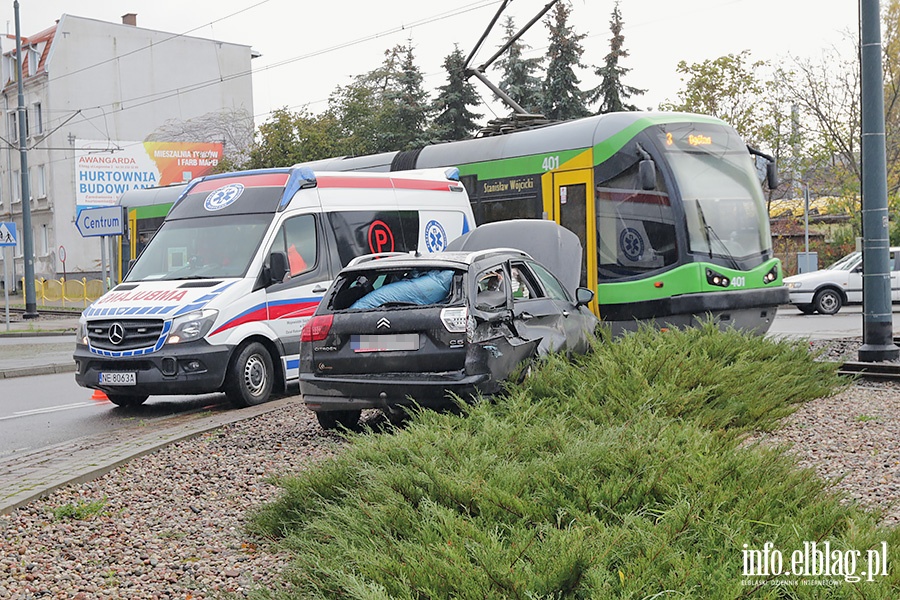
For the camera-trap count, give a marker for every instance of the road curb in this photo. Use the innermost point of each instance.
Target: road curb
(29, 476)
(37, 370)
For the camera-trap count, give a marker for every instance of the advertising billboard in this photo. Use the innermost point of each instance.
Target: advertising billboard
(104, 170)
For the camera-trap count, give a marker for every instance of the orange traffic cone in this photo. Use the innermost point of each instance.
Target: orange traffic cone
(99, 395)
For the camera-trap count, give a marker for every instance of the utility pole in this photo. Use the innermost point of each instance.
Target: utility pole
(878, 343)
(27, 241)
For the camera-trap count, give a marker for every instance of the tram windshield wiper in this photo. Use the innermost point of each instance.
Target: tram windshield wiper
(712, 236)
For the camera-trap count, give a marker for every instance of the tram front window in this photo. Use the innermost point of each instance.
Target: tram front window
(723, 204)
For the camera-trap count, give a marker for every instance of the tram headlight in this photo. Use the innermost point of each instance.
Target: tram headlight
(717, 279)
(772, 275)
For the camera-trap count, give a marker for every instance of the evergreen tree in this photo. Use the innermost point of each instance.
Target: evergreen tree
(385, 109)
(611, 92)
(562, 99)
(406, 107)
(519, 80)
(454, 120)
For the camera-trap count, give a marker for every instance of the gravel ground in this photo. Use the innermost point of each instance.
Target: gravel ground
(171, 524)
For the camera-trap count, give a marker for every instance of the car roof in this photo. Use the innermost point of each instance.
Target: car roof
(437, 260)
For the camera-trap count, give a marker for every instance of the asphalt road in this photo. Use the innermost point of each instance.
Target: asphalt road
(43, 410)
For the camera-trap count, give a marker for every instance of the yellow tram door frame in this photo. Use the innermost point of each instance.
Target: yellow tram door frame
(132, 241)
(573, 207)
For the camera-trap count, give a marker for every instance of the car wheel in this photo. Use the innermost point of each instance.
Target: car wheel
(828, 302)
(336, 419)
(249, 379)
(806, 309)
(127, 399)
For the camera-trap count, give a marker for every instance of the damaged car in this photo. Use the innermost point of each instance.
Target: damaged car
(398, 330)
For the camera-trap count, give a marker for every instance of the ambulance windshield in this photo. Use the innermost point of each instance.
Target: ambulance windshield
(201, 248)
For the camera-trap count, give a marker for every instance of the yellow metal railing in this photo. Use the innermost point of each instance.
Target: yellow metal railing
(74, 291)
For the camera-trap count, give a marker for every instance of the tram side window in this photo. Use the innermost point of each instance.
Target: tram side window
(504, 209)
(636, 230)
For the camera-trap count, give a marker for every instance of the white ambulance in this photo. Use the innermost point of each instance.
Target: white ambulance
(218, 298)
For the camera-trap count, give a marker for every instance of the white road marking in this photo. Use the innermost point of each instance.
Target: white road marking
(48, 409)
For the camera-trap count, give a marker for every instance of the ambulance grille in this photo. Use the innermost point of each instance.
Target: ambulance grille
(129, 334)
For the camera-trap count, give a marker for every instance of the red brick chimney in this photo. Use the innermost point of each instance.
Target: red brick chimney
(129, 19)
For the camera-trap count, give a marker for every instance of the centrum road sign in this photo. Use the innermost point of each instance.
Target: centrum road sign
(106, 220)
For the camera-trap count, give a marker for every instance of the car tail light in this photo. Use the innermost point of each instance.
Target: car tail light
(316, 329)
(454, 319)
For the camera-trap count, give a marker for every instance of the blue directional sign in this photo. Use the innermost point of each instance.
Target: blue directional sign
(8, 234)
(106, 220)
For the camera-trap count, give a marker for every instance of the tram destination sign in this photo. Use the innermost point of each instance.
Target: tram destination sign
(105, 220)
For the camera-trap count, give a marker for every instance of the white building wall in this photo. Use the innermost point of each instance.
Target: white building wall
(116, 82)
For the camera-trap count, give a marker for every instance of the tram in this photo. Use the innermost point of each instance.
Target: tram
(669, 208)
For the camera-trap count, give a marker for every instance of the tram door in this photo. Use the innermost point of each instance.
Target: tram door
(574, 209)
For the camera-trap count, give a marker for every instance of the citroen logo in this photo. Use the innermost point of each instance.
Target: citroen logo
(116, 333)
(383, 323)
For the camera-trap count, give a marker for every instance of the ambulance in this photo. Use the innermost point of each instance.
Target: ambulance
(218, 298)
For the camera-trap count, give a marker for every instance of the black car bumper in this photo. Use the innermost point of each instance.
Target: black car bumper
(429, 390)
(194, 368)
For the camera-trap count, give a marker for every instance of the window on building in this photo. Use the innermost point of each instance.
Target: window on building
(11, 67)
(45, 240)
(37, 119)
(13, 126)
(34, 59)
(38, 182)
(16, 186)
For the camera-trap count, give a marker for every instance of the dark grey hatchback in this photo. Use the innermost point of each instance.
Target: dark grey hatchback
(392, 331)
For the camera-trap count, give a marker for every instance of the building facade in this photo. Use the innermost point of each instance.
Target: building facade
(86, 79)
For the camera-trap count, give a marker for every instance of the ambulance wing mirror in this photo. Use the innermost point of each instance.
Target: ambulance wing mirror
(278, 267)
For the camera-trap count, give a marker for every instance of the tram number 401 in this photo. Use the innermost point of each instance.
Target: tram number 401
(738, 281)
(550, 163)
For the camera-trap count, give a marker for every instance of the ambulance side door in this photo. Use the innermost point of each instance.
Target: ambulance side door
(292, 302)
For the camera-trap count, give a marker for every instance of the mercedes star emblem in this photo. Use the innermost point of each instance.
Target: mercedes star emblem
(116, 333)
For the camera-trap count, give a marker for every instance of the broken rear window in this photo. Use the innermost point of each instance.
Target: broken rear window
(391, 288)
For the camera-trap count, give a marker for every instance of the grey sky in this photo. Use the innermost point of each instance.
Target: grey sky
(308, 48)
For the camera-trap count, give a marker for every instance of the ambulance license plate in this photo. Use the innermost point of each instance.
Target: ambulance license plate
(118, 379)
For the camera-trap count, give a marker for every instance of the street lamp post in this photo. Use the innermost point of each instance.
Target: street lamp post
(27, 240)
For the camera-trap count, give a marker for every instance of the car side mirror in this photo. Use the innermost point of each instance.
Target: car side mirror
(583, 296)
(647, 174)
(278, 266)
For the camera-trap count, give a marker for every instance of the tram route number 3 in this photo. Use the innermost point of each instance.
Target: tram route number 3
(550, 163)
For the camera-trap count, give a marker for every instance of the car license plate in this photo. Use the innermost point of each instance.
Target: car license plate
(118, 379)
(385, 342)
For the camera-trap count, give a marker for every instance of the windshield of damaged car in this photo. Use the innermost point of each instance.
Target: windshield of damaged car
(386, 289)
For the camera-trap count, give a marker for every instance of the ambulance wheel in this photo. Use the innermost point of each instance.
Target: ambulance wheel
(335, 419)
(249, 378)
(127, 399)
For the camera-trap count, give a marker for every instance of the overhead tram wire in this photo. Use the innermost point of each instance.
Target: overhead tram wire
(157, 96)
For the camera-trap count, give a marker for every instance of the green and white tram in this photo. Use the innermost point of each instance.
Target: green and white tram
(669, 207)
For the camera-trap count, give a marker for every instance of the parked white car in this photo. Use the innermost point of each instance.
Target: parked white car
(827, 290)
